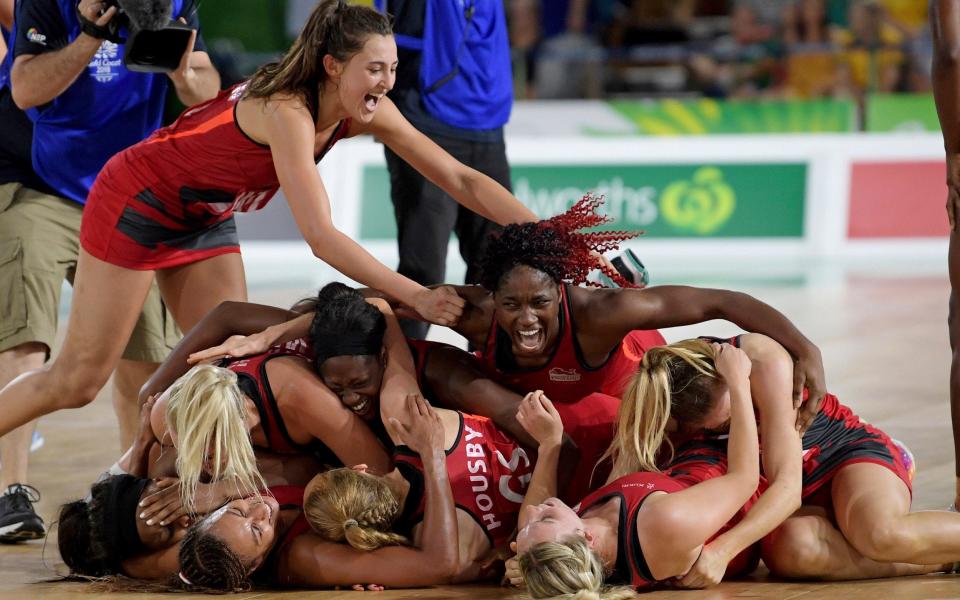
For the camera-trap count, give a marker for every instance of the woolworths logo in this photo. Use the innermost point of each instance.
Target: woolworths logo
(700, 205)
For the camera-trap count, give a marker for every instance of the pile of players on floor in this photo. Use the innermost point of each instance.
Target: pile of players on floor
(573, 453)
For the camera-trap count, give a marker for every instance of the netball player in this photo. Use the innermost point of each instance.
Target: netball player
(166, 205)
(645, 527)
(850, 477)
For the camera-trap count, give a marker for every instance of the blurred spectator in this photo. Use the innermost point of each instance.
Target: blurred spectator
(871, 57)
(805, 22)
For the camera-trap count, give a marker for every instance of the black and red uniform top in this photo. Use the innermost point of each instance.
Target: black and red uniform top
(693, 464)
(587, 398)
(567, 377)
(253, 381)
(185, 178)
(631, 566)
(488, 473)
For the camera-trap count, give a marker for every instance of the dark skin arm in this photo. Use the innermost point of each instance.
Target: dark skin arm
(458, 383)
(945, 28)
(474, 324)
(229, 318)
(609, 315)
(312, 562)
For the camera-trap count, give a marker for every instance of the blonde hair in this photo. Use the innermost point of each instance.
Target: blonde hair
(569, 570)
(676, 379)
(347, 505)
(206, 410)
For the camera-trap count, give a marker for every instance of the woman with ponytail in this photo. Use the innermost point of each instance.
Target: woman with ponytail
(840, 466)
(646, 527)
(164, 207)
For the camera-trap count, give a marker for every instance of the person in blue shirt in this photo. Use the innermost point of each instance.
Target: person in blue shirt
(86, 106)
(454, 84)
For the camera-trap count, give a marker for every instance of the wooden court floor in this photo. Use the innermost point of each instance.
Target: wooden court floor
(885, 348)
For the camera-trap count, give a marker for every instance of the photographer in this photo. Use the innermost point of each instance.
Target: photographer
(86, 106)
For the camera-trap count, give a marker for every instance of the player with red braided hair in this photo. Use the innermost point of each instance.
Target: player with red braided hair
(536, 328)
(558, 246)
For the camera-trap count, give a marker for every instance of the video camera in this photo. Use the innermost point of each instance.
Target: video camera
(155, 43)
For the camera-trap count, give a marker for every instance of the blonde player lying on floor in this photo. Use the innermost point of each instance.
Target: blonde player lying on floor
(645, 527)
(850, 477)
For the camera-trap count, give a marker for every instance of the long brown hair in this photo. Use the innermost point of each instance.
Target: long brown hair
(677, 379)
(335, 28)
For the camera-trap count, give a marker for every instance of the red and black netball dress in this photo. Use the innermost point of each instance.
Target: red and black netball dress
(587, 398)
(253, 381)
(170, 199)
(488, 473)
(837, 438)
(693, 464)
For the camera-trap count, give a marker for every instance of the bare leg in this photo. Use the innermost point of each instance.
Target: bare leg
(127, 381)
(808, 545)
(15, 446)
(106, 303)
(953, 323)
(873, 511)
(191, 291)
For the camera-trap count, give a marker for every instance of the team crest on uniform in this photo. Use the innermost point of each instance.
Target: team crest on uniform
(105, 65)
(564, 375)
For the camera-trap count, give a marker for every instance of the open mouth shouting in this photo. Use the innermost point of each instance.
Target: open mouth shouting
(370, 101)
(529, 340)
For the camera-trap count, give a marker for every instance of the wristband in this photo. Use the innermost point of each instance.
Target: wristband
(96, 31)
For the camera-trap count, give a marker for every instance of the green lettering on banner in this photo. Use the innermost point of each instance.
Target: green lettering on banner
(666, 201)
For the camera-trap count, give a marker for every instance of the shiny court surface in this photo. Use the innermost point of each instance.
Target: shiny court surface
(884, 343)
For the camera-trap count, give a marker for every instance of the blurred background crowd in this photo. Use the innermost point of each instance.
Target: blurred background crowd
(628, 49)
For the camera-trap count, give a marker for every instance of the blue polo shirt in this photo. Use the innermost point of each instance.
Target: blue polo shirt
(107, 109)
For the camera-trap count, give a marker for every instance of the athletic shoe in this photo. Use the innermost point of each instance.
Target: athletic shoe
(629, 266)
(18, 520)
(37, 441)
(907, 456)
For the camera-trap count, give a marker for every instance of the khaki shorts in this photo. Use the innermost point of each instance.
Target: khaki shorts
(39, 246)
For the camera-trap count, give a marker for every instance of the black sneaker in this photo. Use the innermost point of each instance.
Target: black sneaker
(18, 520)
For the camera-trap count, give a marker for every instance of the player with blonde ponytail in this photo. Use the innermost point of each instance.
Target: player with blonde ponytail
(840, 463)
(674, 381)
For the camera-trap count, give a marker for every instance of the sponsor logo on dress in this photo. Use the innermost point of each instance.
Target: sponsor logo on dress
(36, 37)
(106, 63)
(564, 375)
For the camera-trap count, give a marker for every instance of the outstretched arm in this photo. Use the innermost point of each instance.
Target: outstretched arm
(227, 319)
(290, 131)
(469, 187)
(672, 305)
